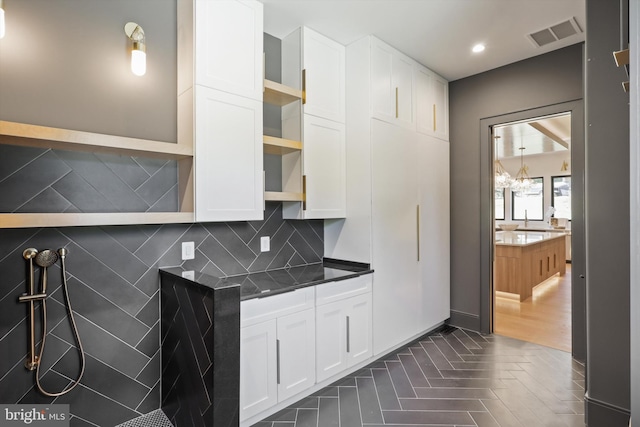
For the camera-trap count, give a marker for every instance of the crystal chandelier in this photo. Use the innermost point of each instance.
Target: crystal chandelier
(502, 178)
(522, 183)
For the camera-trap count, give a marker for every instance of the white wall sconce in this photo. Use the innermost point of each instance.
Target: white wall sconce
(2, 31)
(139, 49)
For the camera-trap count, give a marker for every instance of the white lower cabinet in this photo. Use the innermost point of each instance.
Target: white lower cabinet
(277, 351)
(295, 353)
(292, 341)
(343, 334)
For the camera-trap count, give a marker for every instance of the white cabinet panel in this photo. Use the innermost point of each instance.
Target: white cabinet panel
(344, 335)
(229, 45)
(228, 157)
(258, 376)
(391, 85)
(359, 328)
(324, 66)
(324, 168)
(331, 348)
(296, 353)
(395, 189)
(432, 103)
(434, 229)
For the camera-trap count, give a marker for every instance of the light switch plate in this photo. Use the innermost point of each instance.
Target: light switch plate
(265, 244)
(188, 251)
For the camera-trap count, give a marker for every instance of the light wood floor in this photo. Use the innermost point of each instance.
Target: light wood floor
(544, 319)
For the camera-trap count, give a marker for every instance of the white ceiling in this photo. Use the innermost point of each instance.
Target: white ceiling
(437, 33)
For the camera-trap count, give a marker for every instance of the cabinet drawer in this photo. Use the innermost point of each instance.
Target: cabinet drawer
(261, 309)
(335, 291)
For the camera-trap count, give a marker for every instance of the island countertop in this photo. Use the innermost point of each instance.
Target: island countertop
(525, 238)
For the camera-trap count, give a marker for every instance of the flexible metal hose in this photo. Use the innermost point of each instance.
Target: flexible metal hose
(63, 253)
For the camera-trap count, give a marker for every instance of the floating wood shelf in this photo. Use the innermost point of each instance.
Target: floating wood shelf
(24, 220)
(280, 146)
(621, 57)
(278, 196)
(28, 135)
(279, 94)
(64, 139)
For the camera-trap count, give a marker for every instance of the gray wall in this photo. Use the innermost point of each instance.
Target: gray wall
(66, 64)
(544, 80)
(607, 207)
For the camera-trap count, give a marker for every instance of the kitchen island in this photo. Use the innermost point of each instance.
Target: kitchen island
(524, 259)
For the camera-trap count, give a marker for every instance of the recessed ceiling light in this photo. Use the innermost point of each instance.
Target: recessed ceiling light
(478, 48)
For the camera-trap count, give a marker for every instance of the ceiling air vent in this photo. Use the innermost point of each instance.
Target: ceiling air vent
(555, 33)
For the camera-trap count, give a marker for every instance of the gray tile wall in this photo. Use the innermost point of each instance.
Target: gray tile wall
(113, 284)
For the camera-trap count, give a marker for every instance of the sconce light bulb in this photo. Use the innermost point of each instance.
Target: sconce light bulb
(138, 62)
(1, 20)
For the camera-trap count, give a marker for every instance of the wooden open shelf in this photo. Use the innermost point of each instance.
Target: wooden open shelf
(28, 135)
(64, 139)
(24, 220)
(280, 146)
(279, 196)
(279, 94)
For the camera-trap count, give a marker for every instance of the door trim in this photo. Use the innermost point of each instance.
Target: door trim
(578, 263)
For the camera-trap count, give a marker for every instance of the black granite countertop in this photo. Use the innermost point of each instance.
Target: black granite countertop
(273, 282)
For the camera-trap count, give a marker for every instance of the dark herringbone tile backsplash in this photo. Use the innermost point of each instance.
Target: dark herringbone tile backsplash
(114, 290)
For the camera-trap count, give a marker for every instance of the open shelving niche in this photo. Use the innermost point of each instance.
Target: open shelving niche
(289, 147)
(28, 135)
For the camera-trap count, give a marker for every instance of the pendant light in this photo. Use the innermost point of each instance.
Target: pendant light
(522, 183)
(502, 178)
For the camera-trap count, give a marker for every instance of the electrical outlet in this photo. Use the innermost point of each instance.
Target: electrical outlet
(188, 251)
(265, 244)
(191, 275)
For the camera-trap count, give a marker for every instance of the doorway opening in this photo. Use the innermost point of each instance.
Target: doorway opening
(532, 233)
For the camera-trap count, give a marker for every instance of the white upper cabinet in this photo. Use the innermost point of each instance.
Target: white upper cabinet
(391, 85)
(228, 160)
(316, 64)
(228, 48)
(220, 105)
(432, 103)
(323, 62)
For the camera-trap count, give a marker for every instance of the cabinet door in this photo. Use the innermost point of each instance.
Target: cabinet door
(359, 329)
(296, 353)
(324, 168)
(440, 96)
(391, 85)
(324, 68)
(396, 310)
(228, 157)
(432, 103)
(434, 230)
(331, 329)
(258, 389)
(229, 45)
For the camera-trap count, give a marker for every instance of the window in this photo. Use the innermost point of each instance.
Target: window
(530, 203)
(499, 203)
(561, 196)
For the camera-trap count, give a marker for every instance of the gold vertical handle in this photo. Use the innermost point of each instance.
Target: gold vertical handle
(304, 192)
(418, 230)
(435, 122)
(304, 86)
(396, 102)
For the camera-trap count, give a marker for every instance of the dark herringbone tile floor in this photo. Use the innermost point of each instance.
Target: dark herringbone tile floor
(451, 378)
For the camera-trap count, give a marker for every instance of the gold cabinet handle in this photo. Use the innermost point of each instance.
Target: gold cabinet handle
(304, 192)
(304, 86)
(435, 122)
(348, 337)
(396, 102)
(418, 230)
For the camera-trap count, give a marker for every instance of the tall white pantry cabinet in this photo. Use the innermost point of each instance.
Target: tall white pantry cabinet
(220, 85)
(397, 190)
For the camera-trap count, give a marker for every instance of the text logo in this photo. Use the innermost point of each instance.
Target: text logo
(34, 415)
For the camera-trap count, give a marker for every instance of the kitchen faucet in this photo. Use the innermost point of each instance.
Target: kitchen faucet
(526, 220)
